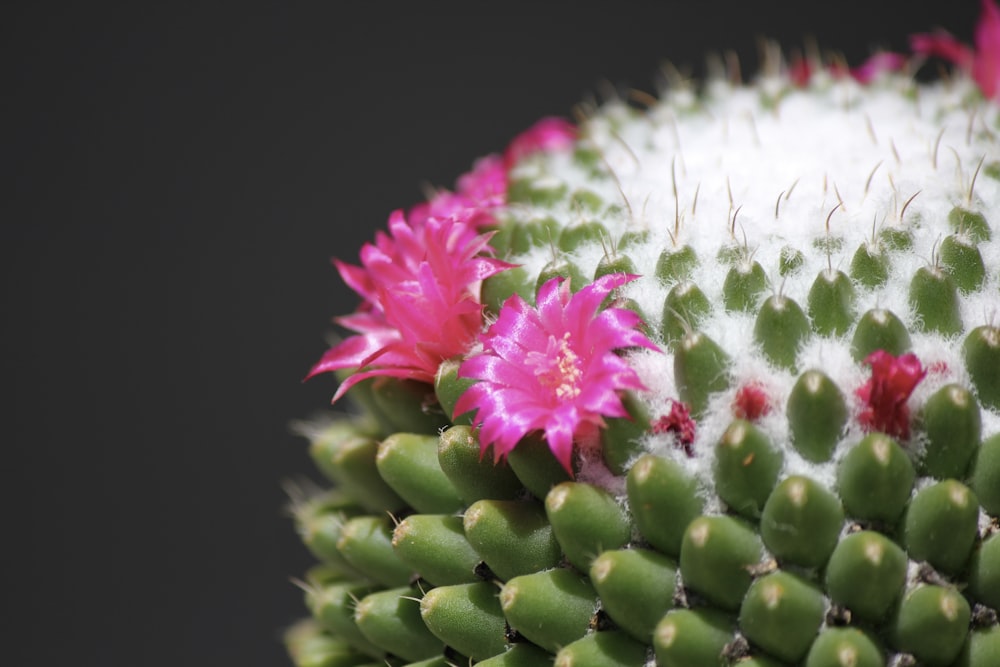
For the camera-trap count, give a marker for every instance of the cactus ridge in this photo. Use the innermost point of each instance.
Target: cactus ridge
(810, 474)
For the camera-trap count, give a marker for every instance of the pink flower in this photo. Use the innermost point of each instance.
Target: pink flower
(681, 424)
(478, 193)
(552, 368)
(751, 402)
(800, 70)
(983, 62)
(420, 301)
(877, 64)
(886, 392)
(486, 184)
(548, 134)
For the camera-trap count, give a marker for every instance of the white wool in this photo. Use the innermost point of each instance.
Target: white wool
(835, 160)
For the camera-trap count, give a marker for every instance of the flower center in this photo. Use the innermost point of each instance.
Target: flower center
(558, 368)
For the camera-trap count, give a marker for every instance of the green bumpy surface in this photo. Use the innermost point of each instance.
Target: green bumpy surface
(830, 547)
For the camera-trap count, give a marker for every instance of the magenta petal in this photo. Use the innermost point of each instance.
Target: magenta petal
(351, 353)
(885, 394)
(552, 368)
(877, 64)
(351, 380)
(420, 286)
(546, 135)
(944, 46)
(986, 68)
(559, 432)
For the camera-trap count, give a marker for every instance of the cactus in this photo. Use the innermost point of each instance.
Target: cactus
(710, 382)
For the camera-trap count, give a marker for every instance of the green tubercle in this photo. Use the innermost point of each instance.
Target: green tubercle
(499, 287)
(982, 358)
(971, 224)
(844, 647)
(866, 574)
(985, 479)
(448, 387)
(472, 472)
(801, 522)
(870, 266)
(391, 619)
(523, 654)
(610, 648)
(573, 237)
(319, 529)
(716, 557)
(790, 260)
(931, 624)
(586, 200)
(952, 429)
(831, 303)
(538, 233)
(663, 500)
(941, 524)
(874, 479)
(434, 545)
(744, 284)
(538, 193)
(332, 606)
(535, 466)
(982, 649)
(310, 646)
(746, 468)
(963, 262)
(683, 309)
(675, 264)
(466, 617)
(700, 369)
(817, 414)
(692, 638)
(780, 329)
(984, 573)
(408, 462)
(366, 543)
(586, 520)
(562, 267)
(513, 537)
(879, 329)
(896, 238)
(934, 299)
(637, 588)
(352, 464)
(782, 614)
(614, 263)
(551, 608)
(621, 438)
(408, 406)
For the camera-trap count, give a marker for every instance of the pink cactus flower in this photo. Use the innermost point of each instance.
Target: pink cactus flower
(981, 62)
(478, 193)
(419, 286)
(751, 402)
(800, 70)
(681, 424)
(552, 368)
(548, 134)
(877, 64)
(886, 392)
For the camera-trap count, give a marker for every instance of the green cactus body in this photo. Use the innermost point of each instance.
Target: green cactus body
(766, 433)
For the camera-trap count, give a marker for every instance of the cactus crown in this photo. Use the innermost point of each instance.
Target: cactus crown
(714, 381)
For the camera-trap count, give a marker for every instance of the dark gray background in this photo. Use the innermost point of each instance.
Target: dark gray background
(177, 178)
